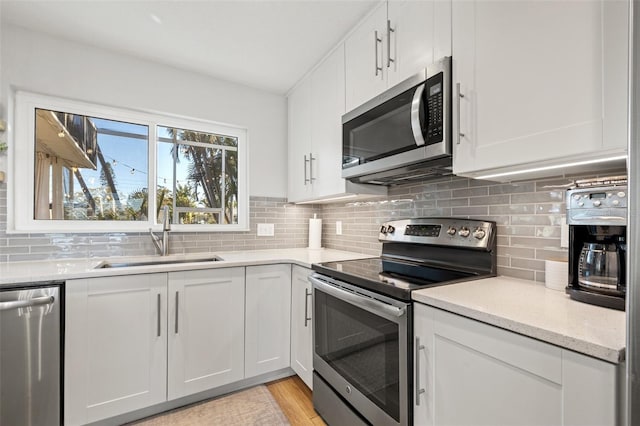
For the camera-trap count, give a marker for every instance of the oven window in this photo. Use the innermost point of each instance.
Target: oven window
(362, 347)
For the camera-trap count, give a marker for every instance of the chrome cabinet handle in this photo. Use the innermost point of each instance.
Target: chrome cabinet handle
(159, 307)
(306, 180)
(459, 96)
(419, 390)
(416, 128)
(311, 159)
(307, 318)
(375, 47)
(389, 31)
(36, 301)
(177, 309)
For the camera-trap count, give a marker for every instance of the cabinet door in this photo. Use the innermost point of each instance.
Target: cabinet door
(268, 319)
(327, 89)
(366, 72)
(421, 35)
(533, 95)
(503, 378)
(301, 325)
(500, 378)
(115, 346)
(206, 329)
(299, 146)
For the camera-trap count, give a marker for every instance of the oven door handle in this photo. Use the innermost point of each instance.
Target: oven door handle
(360, 301)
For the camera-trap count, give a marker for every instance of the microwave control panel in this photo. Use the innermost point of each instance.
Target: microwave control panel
(434, 102)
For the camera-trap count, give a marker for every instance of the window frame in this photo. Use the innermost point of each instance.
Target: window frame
(20, 217)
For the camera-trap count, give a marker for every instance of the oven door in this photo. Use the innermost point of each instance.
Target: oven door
(361, 349)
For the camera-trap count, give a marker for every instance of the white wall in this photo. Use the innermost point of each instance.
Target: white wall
(43, 64)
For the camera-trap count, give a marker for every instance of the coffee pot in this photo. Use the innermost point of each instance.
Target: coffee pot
(601, 267)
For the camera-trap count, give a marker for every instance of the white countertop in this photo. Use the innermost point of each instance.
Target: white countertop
(63, 269)
(531, 309)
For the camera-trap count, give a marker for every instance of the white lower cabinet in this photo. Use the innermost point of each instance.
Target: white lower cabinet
(468, 372)
(133, 341)
(301, 324)
(267, 320)
(115, 346)
(206, 329)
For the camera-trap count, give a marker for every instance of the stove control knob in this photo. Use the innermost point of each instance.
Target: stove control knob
(576, 197)
(451, 231)
(479, 233)
(464, 232)
(383, 229)
(621, 194)
(581, 204)
(616, 202)
(596, 203)
(391, 229)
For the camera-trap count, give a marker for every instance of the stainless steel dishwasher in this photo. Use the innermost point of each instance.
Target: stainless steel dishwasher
(30, 355)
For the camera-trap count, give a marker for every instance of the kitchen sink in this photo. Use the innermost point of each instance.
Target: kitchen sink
(151, 262)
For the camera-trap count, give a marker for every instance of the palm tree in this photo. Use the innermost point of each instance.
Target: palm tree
(206, 165)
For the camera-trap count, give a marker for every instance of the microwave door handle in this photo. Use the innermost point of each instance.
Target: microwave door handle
(415, 115)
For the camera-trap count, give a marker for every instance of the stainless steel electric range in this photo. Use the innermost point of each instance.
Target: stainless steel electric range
(362, 330)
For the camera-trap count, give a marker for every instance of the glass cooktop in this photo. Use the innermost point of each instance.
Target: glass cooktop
(391, 277)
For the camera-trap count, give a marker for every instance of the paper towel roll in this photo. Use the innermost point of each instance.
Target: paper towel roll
(556, 274)
(315, 233)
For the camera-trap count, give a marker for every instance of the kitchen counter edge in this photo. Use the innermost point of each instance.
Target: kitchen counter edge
(29, 272)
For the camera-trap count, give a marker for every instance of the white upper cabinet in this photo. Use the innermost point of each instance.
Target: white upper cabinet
(398, 39)
(365, 64)
(316, 107)
(327, 94)
(420, 34)
(542, 83)
(299, 106)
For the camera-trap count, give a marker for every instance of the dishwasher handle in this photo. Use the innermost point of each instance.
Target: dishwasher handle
(36, 301)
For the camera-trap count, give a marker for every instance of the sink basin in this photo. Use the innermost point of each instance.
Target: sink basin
(150, 262)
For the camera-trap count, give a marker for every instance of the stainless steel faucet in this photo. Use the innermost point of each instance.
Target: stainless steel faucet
(162, 245)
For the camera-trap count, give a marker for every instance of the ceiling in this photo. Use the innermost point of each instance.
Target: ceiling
(266, 44)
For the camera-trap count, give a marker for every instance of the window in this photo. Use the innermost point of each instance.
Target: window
(199, 172)
(80, 168)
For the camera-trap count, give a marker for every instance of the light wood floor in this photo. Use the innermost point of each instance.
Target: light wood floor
(294, 398)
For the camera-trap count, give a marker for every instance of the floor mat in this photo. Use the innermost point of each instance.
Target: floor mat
(253, 406)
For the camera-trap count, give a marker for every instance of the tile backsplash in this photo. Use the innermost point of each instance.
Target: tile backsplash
(291, 224)
(529, 215)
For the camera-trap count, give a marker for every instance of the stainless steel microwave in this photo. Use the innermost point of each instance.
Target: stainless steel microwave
(403, 134)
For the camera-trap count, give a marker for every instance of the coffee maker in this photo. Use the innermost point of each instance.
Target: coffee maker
(597, 218)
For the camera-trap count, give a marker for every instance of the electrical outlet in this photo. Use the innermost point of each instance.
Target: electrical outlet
(266, 230)
(338, 227)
